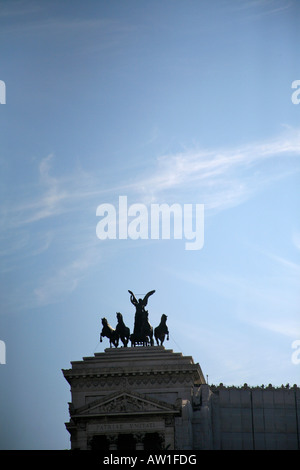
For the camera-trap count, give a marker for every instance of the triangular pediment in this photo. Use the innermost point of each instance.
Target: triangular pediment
(126, 403)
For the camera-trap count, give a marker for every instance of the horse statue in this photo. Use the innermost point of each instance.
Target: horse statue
(110, 333)
(161, 330)
(122, 330)
(147, 331)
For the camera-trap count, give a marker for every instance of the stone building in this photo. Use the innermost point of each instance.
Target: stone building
(152, 398)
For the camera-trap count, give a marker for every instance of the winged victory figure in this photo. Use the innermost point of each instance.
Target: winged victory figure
(141, 323)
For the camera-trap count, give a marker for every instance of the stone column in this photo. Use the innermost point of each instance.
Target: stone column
(162, 440)
(168, 443)
(183, 427)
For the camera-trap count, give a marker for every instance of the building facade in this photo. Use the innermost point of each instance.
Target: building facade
(151, 398)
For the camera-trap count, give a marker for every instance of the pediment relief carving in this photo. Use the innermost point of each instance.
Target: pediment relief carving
(124, 403)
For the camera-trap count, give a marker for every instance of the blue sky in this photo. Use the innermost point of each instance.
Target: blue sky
(184, 102)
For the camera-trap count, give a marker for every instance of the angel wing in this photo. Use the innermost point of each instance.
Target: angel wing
(145, 299)
(132, 298)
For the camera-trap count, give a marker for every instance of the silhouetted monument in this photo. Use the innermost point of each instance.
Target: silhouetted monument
(142, 332)
(151, 398)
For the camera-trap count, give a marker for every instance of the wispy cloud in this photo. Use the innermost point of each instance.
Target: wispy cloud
(36, 19)
(223, 177)
(284, 327)
(219, 178)
(267, 301)
(51, 196)
(259, 8)
(296, 239)
(285, 262)
(65, 279)
(17, 8)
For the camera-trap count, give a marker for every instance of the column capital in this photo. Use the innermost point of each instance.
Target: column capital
(113, 441)
(139, 440)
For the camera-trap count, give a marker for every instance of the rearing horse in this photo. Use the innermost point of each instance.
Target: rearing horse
(122, 330)
(148, 331)
(161, 330)
(110, 333)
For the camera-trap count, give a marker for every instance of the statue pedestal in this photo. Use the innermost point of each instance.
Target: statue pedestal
(134, 397)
